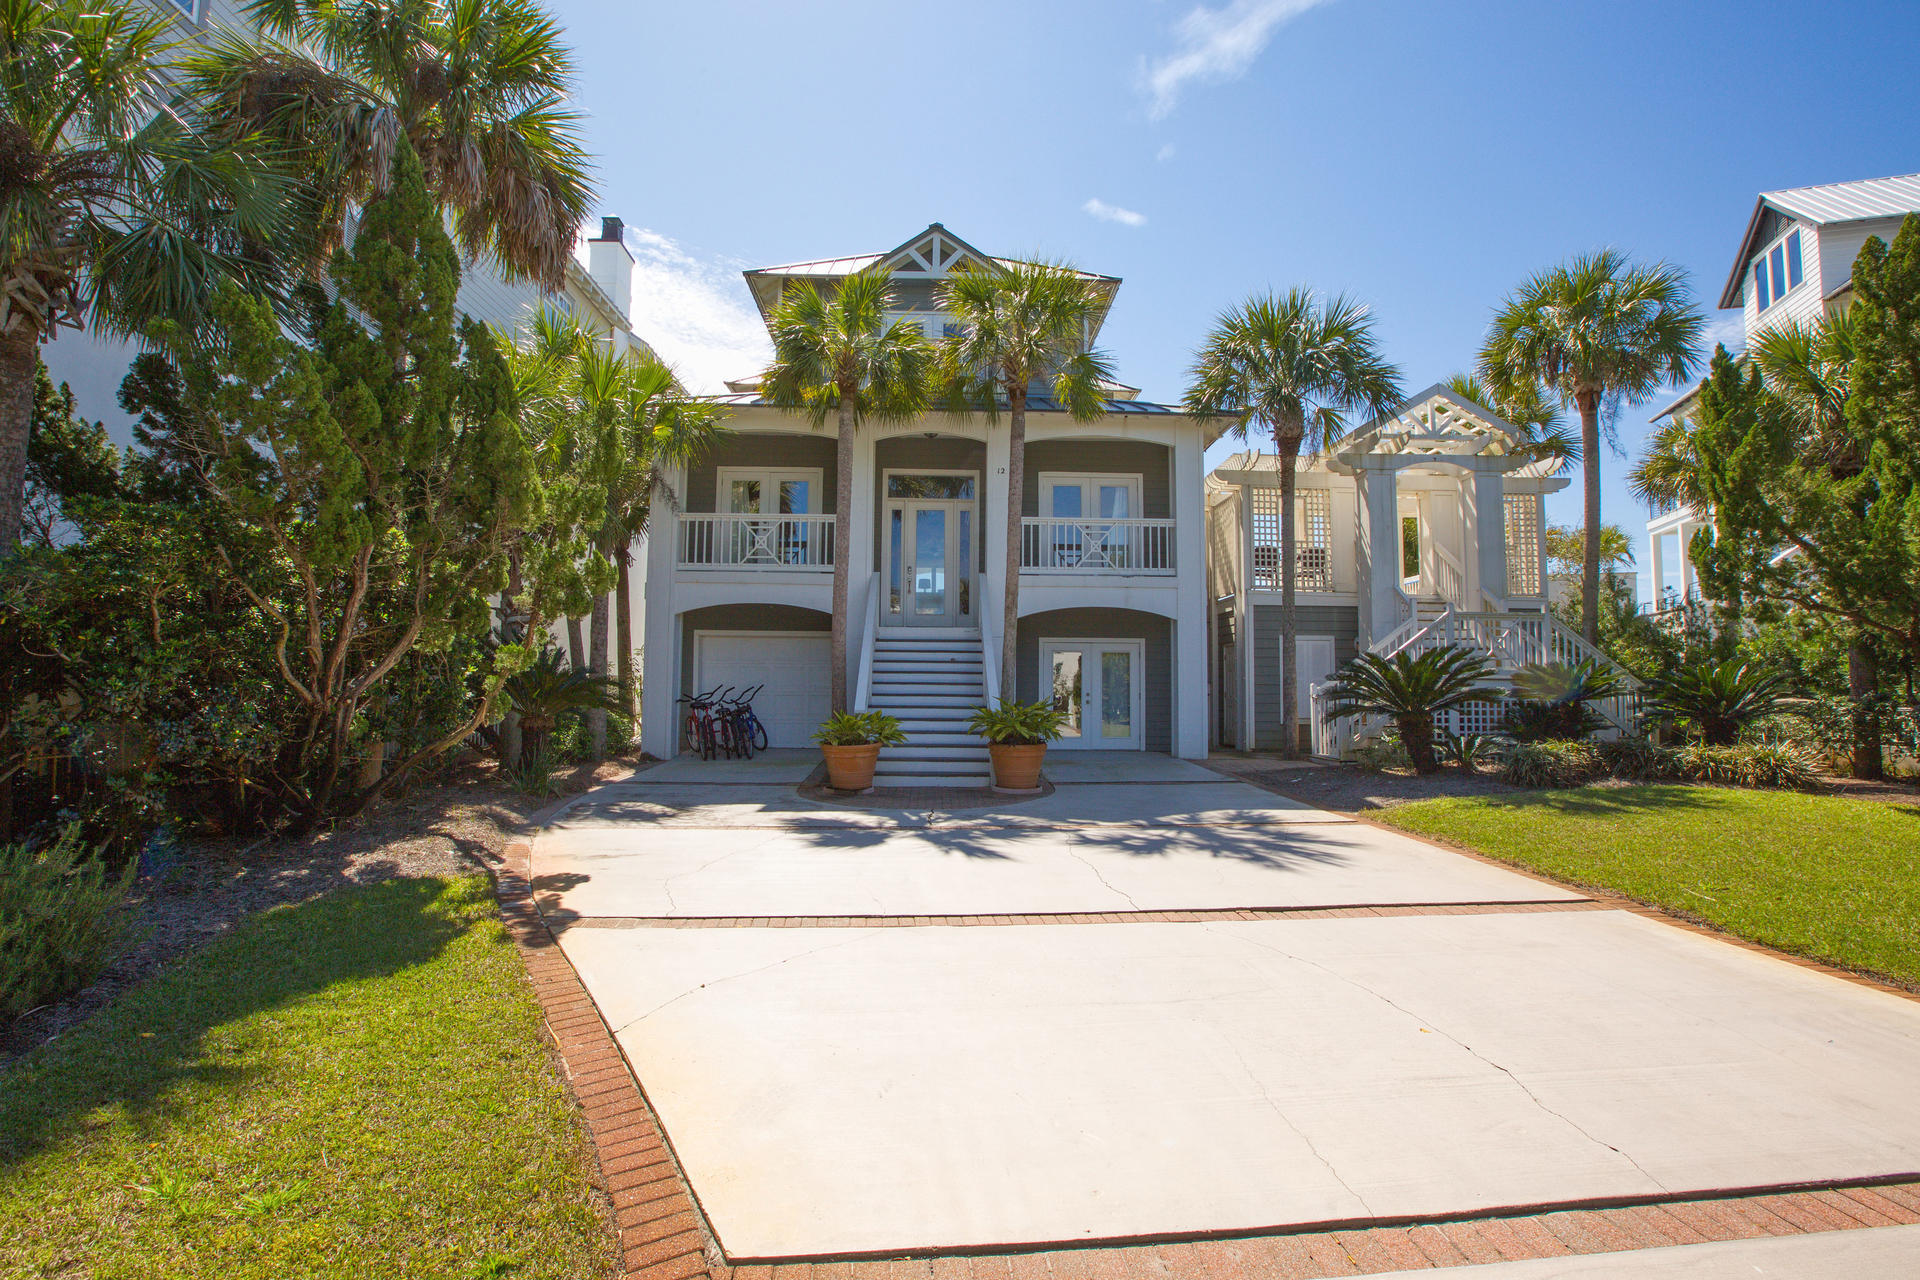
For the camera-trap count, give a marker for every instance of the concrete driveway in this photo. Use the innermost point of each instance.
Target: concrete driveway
(1176, 1007)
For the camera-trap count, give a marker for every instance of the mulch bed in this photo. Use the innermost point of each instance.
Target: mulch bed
(453, 826)
(1347, 788)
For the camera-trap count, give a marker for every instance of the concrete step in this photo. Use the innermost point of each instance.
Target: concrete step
(895, 666)
(937, 768)
(931, 716)
(933, 739)
(912, 634)
(898, 679)
(966, 780)
(895, 701)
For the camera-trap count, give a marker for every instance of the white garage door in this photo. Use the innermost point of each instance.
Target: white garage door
(796, 669)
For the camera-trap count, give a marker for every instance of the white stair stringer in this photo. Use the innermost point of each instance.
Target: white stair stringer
(931, 682)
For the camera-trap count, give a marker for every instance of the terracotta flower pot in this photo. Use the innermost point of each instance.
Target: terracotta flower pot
(851, 768)
(1016, 765)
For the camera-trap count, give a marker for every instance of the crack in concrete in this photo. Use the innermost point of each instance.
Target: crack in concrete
(1273, 1105)
(745, 973)
(1107, 884)
(1472, 1052)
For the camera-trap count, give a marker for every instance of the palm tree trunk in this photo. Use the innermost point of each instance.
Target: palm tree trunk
(623, 627)
(19, 356)
(1863, 681)
(1589, 402)
(576, 645)
(842, 538)
(1016, 501)
(1287, 445)
(597, 716)
(509, 742)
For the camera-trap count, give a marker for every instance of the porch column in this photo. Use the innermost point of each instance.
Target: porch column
(861, 522)
(1484, 509)
(993, 532)
(1379, 549)
(660, 649)
(1190, 630)
(1244, 638)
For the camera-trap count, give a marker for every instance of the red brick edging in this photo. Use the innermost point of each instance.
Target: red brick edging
(663, 1235)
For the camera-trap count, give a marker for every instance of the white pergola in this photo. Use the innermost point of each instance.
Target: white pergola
(1433, 430)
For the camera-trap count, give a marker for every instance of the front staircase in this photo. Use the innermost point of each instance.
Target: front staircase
(930, 679)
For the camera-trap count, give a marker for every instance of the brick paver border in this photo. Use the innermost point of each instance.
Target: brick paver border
(664, 1236)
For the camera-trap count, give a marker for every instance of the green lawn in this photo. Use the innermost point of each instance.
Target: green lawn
(355, 1086)
(1835, 879)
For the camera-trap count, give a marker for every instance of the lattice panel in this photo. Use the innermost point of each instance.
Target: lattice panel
(1523, 544)
(1313, 550)
(1265, 506)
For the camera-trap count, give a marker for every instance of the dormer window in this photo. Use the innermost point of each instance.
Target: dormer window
(1777, 271)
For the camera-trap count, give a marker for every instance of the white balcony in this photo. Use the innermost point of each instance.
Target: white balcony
(772, 544)
(1117, 547)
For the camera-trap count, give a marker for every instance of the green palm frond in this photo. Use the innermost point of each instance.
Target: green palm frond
(1544, 431)
(1426, 684)
(830, 346)
(1808, 367)
(1022, 324)
(1295, 366)
(1667, 474)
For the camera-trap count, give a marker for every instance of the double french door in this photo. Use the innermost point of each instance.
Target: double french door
(1096, 685)
(928, 543)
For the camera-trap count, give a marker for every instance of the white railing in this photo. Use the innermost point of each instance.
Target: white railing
(1312, 568)
(716, 540)
(1513, 640)
(1052, 545)
(987, 608)
(1336, 738)
(869, 627)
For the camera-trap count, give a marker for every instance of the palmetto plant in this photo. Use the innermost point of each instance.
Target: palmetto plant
(549, 689)
(1715, 700)
(1411, 691)
(478, 86)
(1293, 366)
(836, 355)
(1021, 323)
(1550, 699)
(115, 202)
(1595, 332)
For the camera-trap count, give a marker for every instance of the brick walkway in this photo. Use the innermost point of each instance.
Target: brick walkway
(664, 1237)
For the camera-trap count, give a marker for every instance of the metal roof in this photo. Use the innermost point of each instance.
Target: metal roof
(1035, 404)
(1824, 205)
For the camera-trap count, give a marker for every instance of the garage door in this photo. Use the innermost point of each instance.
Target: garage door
(796, 669)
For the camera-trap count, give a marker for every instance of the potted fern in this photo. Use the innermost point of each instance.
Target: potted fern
(1017, 735)
(851, 742)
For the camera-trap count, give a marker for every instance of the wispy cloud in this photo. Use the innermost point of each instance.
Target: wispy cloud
(1216, 44)
(695, 312)
(1114, 213)
(1165, 153)
(1728, 329)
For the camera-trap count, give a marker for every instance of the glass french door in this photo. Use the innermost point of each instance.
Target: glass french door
(929, 546)
(1096, 685)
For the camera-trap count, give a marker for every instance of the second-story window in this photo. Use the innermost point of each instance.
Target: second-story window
(1777, 271)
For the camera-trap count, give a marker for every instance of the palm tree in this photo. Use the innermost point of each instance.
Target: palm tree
(1668, 473)
(1542, 426)
(1809, 368)
(1412, 691)
(548, 689)
(1022, 324)
(661, 428)
(115, 204)
(838, 355)
(478, 86)
(1595, 331)
(1294, 367)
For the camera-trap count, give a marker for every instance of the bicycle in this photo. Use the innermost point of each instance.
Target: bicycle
(747, 730)
(700, 728)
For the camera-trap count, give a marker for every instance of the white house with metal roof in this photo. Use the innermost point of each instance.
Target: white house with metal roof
(1424, 527)
(1113, 613)
(1794, 266)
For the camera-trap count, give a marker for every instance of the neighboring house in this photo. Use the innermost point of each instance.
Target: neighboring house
(1422, 528)
(1794, 264)
(1113, 616)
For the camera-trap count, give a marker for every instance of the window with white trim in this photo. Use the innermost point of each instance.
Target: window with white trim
(1777, 272)
(1523, 544)
(757, 491)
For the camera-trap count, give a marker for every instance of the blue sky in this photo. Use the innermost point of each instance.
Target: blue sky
(1424, 157)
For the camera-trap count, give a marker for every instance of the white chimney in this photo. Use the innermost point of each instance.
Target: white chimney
(611, 265)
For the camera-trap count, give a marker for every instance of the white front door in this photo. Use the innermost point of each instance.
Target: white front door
(1312, 665)
(1097, 685)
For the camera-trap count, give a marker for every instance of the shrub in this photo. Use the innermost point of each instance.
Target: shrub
(1750, 766)
(62, 919)
(1552, 764)
(1380, 752)
(1023, 724)
(1716, 700)
(1550, 700)
(1638, 760)
(1471, 750)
